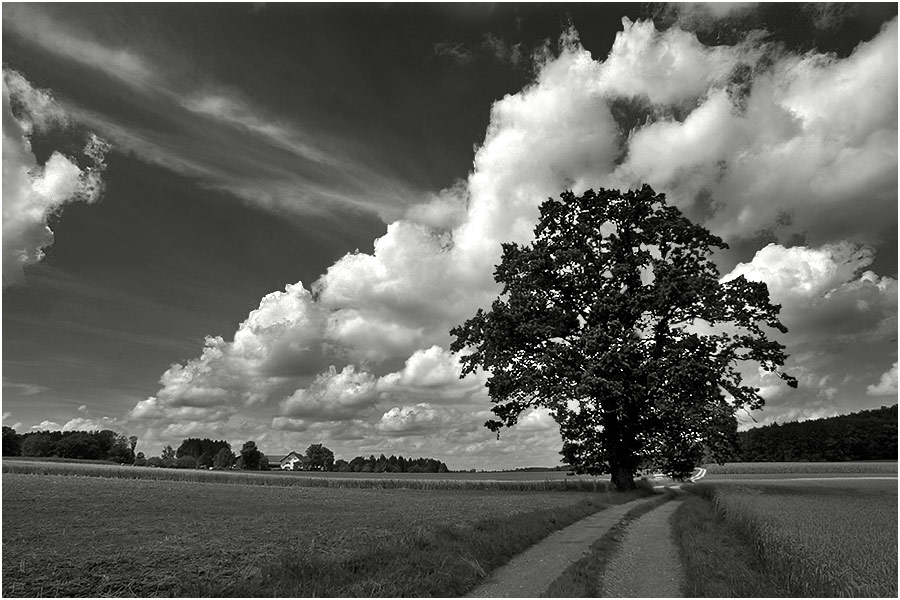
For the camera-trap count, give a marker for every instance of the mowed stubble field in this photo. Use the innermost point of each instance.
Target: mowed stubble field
(107, 536)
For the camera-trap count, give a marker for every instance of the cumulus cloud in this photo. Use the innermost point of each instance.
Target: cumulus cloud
(824, 291)
(745, 138)
(834, 308)
(665, 67)
(91, 424)
(32, 192)
(787, 149)
(887, 385)
(46, 426)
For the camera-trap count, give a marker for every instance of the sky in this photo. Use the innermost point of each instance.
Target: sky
(260, 221)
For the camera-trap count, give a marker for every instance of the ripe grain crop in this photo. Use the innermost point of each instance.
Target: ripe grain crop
(93, 536)
(516, 482)
(818, 538)
(801, 468)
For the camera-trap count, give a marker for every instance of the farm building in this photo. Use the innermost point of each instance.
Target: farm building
(291, 462)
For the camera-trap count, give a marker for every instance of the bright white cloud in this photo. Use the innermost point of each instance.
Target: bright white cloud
(887, 385)
(333, 396)
(766, 148)
(665, 67)
(46, 426)
(32, 192)
(91, 424)
(841, 320)
(789, 148)
(824, 291)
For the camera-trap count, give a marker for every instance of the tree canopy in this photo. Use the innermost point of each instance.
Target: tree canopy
(251, 458)
(866, 435)
(616, 319)
(91, 445)
(318, 458)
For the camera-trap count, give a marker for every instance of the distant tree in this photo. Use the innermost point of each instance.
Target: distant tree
(251, 458)
(41, 443)
(597, 321)
(106, 439)
(186, 462)
(318, 458)
(12, 442)
(79, 444)
(168, 453)
(132, 443)
(155, 461)
(381, 464)
(140, 460)
(206, 459)
(342, 466)
(224, 459)
(120, 451)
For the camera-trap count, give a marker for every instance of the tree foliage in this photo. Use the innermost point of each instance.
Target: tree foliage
(94, 445)
(616, 320)
(866, 435)
(251, 458)
(224, 458)
(203, 450)
(12, 442)
(394, 464)
(318, 458)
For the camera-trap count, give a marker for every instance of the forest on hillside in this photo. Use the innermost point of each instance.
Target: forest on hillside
(865, 435)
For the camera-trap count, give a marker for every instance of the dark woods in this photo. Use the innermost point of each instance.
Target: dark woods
(866, 435)
(91, 445)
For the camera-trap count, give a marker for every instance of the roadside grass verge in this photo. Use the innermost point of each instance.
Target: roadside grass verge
(583, 578)
(276, 478)
(718, 560)
(815, 540)
(446, 561)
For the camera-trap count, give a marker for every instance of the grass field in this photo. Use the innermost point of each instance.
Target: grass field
(819, 537)
(93, 536)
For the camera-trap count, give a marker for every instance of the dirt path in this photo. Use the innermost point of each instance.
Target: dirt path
(647, 564)
(529, 574)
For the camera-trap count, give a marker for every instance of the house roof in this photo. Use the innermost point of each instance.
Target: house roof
(290, 454)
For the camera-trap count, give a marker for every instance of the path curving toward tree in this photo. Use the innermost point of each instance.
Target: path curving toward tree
(529, 574)
(647, 563)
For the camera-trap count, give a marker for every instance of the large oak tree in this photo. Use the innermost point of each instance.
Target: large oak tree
(616, 319)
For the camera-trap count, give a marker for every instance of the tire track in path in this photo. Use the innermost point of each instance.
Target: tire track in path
(647, 563)
(529, 574)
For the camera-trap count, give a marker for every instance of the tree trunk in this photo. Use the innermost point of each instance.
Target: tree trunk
(622, 478)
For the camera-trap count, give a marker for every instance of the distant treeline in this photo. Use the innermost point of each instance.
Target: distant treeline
(393, 464)
(92, 445)
(866, 435)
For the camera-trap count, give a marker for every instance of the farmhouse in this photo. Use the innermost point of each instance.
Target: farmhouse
(291, 462)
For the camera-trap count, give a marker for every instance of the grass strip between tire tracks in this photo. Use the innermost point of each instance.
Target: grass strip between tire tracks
(445, 561)
(717, 558)
(582, 578)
